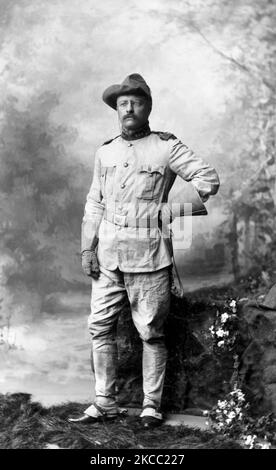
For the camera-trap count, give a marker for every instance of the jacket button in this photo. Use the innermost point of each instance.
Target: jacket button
(130, 144)
(123, 186)
(125, 164)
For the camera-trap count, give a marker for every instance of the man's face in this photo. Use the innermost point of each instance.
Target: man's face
(133, 111)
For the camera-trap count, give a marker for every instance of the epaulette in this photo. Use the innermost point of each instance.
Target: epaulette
(110, 140)
(165, 135)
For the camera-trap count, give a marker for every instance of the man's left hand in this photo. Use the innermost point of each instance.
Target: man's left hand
(90, 263)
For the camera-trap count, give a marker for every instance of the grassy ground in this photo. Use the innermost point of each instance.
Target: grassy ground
(27, 425)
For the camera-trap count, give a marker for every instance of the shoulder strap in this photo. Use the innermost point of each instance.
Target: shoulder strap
(110, 140)
(165, 135)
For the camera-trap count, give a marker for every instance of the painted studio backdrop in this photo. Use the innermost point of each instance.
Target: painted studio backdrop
(210, 66)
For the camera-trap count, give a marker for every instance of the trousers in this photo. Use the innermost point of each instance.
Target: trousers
(148, 295)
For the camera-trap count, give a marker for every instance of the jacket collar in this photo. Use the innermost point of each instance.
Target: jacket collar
(137, 134)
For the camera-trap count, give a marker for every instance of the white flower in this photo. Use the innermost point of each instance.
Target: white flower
(224, 317)
(233, 305)
(222, 404)
(249, 440)
(265, 445)
(239, 394)
(220, 333)
(232, 415)
(205, 413)
(212, 330)
(220, 343)
(252, 444)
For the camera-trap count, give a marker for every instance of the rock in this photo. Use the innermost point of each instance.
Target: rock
(270, 354)
(196, 376)
(258, 361)
(270, 374)
(270, 299)
(271, 396)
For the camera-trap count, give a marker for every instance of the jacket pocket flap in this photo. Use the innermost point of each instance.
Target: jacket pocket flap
(152, 168)
(107, 169)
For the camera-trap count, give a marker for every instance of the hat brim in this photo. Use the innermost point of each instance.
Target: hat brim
(111, 94)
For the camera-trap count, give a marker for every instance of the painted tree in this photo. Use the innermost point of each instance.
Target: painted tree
(251, 202)
(242, 35)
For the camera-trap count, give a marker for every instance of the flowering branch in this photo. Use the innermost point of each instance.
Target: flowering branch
(231, 415)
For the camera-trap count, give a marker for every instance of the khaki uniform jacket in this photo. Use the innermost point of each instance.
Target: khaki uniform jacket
(131, 180)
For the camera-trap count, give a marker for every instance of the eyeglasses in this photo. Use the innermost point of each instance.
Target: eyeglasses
(135, 103)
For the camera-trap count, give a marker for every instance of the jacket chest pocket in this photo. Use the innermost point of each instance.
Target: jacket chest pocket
(107, 179)
(150, 180)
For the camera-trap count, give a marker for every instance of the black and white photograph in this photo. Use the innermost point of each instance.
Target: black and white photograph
(138, 228)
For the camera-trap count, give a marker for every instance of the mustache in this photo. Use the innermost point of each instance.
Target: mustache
(128, 116)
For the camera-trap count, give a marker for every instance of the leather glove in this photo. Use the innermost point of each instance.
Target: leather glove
(90, 265)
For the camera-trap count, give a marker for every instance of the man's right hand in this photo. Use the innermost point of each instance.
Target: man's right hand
(90, 263)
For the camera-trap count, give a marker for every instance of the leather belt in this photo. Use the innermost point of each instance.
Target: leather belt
(125, 221)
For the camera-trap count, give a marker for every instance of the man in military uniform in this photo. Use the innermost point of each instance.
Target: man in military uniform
(124, 249)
